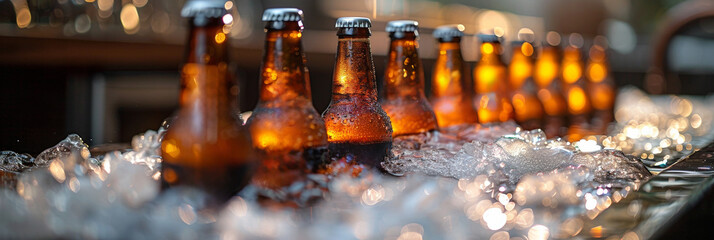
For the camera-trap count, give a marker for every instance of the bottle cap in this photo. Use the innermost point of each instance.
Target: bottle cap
(204, 8)
(447, 32)
(353, 22)
(282, 15)
(402, 26)
(488, 38)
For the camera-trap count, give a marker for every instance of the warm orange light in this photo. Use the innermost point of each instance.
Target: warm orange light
(487, 77)
(171, 149)
(571, 72)
(597, 72)
(519, 101)
(527, 49)
(546, 71)
(519, 71)
(220, 37)
(266, 139)
(487, 48)
(603, 96)
(596, 232)
(552, 103)
(577, 100)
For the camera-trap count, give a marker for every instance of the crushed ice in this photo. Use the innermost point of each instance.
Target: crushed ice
(486, 182)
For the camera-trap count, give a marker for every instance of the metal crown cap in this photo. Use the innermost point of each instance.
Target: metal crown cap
(204, 8)
(402, 26)
(446, 32)
(353, 22)
(282, 15)
(488, 38)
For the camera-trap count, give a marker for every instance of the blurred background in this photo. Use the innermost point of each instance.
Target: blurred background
(108, 69)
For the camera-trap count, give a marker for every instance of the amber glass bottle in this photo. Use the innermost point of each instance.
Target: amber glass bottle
(524, 95)
(206, 147)
(490, 83)
(450, 90)
(357, 127)
(601, 87)
(404, 99)
(286, 129)
(575, 88)
(550, 93)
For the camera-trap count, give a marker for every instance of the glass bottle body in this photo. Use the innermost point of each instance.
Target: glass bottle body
(404, 99)
(357, 127)
(527, 106)
(601, 89)
(491, 86)
(287, 131)
(206, 147)
(546, 76)
(451, 92)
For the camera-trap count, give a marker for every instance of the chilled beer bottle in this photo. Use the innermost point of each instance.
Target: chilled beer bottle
(528, 109)
(450, 91)
(206, 146)
(286, 129)
(404, 99)
(601, 87)
(574, 87)
(547, 77)
(490, 83)
(357, 127)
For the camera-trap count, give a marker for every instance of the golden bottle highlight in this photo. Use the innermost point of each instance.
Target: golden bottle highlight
(357, 127)
(550, 93)
(286, 129)
(490, 83)
(450, 90)
(528, 109)
(404, 99)
(575, 88)
(601, 87)
(206, 147)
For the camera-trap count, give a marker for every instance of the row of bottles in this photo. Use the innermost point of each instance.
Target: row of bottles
(538, 89)
(206, 146)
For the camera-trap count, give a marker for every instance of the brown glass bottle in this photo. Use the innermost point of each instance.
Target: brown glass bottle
(404, 99)
(490, 83)
(601, 88)
(206, 146)
(527, 106)
(450, 90)
(287, 131)
(357, 127)
(550, 94)
(575, 89)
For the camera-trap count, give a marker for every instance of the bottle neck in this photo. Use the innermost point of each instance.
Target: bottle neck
(572, 65)
(521, 67)
(546, 66)
(354, 68)
(448, 70)
(404, 76)
(205, 77)
(283, 73)
(490, 53)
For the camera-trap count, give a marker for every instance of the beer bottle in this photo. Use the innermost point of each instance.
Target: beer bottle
(206, 146)
(450, 92)
(549, 89)
(404, 99)
(574, 87)
(490, 83)
(528, 109)
(357, 127)
(601, 87)
(286, 129)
